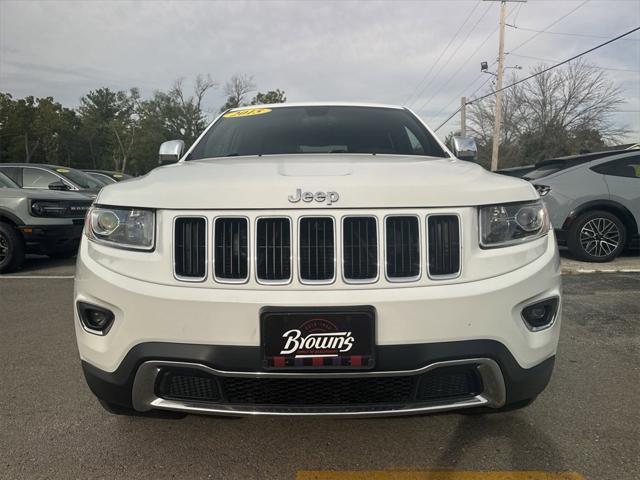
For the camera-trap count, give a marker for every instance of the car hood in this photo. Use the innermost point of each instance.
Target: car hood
(369, 181)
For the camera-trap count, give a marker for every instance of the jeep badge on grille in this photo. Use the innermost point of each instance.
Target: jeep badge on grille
(329, 197)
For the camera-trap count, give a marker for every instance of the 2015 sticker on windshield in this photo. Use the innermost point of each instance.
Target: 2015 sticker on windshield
(250, 112)
(62, 170)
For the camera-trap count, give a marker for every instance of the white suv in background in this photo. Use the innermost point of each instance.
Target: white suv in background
(317, 259)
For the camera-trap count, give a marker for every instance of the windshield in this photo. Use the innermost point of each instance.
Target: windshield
(103, 179)
(317, 129)
(81, 179)
(6, 182)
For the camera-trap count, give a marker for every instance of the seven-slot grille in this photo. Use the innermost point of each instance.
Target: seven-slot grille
(317, 252)
(443, 245)
(315, 248)
(190, 248)
(231, 250)
(403, 248)
(360, 249)
(273, 249)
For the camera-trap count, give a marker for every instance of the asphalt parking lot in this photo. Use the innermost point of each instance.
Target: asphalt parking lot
(585, 425)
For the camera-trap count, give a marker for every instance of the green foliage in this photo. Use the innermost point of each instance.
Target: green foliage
(111, 130)
(272, 96)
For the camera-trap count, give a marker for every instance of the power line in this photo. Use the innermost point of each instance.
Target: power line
(542, 59)
(567, 33)
(452, 56)
(433, 65)
(549, 26)
(540, 73)
(560, 63)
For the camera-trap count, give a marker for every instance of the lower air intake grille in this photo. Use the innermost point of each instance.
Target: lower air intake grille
(190, 247)
(443, 245)
(360, 248)
(403, 247)
(439, 384)
(273, 243)
(317, 252)
(446, 383)
(231, 251)
(189, 387)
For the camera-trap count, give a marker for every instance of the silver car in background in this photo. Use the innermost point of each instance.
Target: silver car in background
(594, 205)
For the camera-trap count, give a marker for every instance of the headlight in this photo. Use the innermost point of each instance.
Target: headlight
(121, 227)
(48, 208)
(508, 224)
(59, 209)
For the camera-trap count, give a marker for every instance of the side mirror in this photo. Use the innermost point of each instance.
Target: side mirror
(464, 148)
(170, 152)
(59, 186)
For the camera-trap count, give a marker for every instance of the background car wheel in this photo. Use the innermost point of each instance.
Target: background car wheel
(596, 236)
(11, 248)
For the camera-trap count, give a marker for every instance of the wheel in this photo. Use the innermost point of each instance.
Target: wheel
(11, 248)
(61, 254)
(596, 236)
(130, 412)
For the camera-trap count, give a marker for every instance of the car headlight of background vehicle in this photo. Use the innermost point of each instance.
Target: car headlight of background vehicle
(47, 208)
(512, 223)
(121, 227)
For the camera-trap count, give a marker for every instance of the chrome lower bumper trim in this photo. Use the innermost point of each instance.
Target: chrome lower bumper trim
(145, 398)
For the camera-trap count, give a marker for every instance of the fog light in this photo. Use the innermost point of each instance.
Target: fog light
(540, 315)
(94, 319)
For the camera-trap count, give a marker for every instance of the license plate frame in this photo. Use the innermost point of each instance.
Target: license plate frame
(326, 327)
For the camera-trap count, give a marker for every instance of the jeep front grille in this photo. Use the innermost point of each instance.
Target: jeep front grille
(443, 243)
(317, 252)
(231, 252)
(403, 248)
(190, 248)
(296, 248)
(273, 250)
(360, 249)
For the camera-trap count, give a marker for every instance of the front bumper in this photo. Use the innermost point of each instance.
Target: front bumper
(52, 238)
(134, 384)
(217, 331)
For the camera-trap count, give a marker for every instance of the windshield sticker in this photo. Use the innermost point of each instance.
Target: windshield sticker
(62, 170)
(250, 112)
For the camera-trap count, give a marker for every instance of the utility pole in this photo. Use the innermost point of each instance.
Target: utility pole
(498, 115)
(499, 76)
(463, 117)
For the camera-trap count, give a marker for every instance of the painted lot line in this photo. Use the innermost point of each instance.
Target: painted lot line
(434, 475)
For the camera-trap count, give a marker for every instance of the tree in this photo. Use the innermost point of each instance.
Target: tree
(556, 113)
(237, 89)
(272, 96)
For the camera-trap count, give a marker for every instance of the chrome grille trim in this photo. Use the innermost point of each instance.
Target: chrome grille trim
(326, 281)
(247, 246)
(376, 235)
(266, 281)
(338, 217)
(419, 240)
(457, 251)
(174, 246)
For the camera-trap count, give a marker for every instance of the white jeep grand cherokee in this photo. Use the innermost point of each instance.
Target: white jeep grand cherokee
(317, 259)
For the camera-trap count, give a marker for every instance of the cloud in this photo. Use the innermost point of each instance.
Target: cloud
(369, 51)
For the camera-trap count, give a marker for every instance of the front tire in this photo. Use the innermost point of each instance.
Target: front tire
(11, 248)
(596, 236)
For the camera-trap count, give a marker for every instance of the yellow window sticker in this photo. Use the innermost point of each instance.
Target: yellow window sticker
(249, 112)
(62, 170)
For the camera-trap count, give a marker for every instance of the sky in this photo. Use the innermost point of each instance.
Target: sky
(422, 54)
